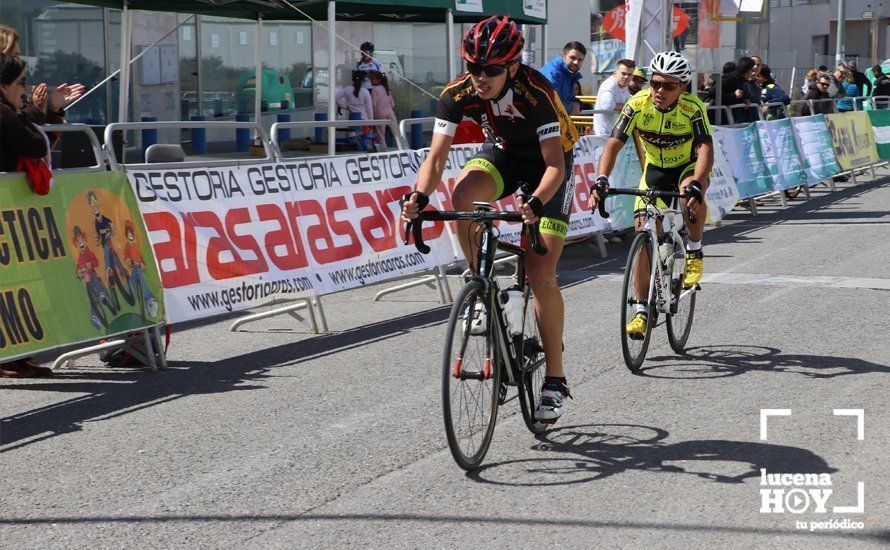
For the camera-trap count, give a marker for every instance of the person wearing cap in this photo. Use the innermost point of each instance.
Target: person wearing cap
(368, 64)
(637, 81)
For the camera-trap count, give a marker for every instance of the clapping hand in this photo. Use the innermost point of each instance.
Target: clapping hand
(64, 95)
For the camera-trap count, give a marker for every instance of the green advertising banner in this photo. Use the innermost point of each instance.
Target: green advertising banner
(880, 123)
(75, 265)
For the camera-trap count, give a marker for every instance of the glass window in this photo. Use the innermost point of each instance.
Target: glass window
(62, 42)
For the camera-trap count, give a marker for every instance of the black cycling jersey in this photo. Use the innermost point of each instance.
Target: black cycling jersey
(527, 112)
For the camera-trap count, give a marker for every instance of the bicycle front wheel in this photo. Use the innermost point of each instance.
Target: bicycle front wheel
(634, 346)
(532, 365)
(470, 376)
(679, 321)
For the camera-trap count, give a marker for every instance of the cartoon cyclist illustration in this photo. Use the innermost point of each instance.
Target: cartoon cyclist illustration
(104, 233)
(133, 259)
(86, 271)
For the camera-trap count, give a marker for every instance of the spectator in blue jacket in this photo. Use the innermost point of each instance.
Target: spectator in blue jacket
(770, 92)
(848, 85)
(563, 71)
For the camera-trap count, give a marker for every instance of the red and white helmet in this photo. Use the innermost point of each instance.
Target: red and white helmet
(497, 39)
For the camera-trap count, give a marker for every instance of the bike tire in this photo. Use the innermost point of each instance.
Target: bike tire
(679, 324)
(96, 305)
(532, 365)
(634, 350)
(464, 387)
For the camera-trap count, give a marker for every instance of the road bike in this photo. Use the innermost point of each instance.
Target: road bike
(487, 350)
(666, 293)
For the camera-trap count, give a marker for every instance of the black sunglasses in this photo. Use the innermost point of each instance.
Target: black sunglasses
(824, 83)
(659, 84)
(490, 71)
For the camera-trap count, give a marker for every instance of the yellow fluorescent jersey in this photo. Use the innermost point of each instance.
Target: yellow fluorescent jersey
(669, 137)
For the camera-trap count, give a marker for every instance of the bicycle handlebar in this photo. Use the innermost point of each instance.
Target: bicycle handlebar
(648, 193)
(415, 227)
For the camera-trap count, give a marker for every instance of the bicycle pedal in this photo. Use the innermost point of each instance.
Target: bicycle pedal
(636, 336)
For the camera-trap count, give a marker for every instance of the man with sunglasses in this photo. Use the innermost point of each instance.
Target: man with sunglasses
(819, 93)
(672, 125)
(528, 146)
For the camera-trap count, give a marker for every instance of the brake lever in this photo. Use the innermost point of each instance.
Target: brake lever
(692, 217)
(534, 234)
(601, 206)
(415, 228)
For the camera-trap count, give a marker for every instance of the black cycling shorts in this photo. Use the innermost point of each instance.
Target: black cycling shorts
(663, 179)
(511, 173)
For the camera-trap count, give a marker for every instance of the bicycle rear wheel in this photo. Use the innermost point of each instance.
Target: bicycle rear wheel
(634, 347)
(532, 366)
(471, 373)
(679, 324)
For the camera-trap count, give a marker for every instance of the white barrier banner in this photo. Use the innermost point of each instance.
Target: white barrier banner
(817, 151)
(582, 221)
(722, 194)
(233, 238)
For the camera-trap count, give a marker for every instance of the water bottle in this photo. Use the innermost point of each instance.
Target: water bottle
(512, 302)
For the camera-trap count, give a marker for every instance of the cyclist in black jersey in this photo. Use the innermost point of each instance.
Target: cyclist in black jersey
(528, 146)
(673, 127)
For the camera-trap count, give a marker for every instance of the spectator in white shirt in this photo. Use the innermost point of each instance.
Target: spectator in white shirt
(368, 64)
(612, 96)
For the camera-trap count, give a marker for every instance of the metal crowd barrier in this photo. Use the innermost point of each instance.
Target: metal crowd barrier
(885, 102)
(772, 104)
(718, 111)
(333, 124)
(260, 132)
(404, 123)
(101, 164)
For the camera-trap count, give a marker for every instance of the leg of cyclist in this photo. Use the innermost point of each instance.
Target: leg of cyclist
(549, 306)
(694, 232)
(653, 178)
(637, 325)
(473, 185)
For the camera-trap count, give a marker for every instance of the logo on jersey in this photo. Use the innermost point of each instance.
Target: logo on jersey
(506, 108)
(664, 141)
(546, 130)
(647, 118)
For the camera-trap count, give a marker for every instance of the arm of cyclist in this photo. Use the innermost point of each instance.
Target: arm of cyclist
(606, 164)
(695, 191)
(428, 177)
(553, 177)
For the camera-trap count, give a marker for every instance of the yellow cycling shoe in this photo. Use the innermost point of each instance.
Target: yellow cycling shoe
(637, 327)
(694, 268)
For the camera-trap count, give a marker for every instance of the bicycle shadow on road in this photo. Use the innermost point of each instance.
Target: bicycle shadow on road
(103, 394)
(591, 452)
(734, 360)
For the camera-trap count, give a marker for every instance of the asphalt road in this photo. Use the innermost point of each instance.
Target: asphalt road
(275, 437)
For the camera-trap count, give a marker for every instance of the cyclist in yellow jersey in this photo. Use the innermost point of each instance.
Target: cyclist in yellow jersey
(673, 126)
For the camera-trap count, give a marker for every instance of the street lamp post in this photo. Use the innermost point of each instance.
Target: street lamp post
(841, 22)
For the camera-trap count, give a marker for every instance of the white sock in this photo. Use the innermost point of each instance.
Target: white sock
(693, 246)
(640, 308)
